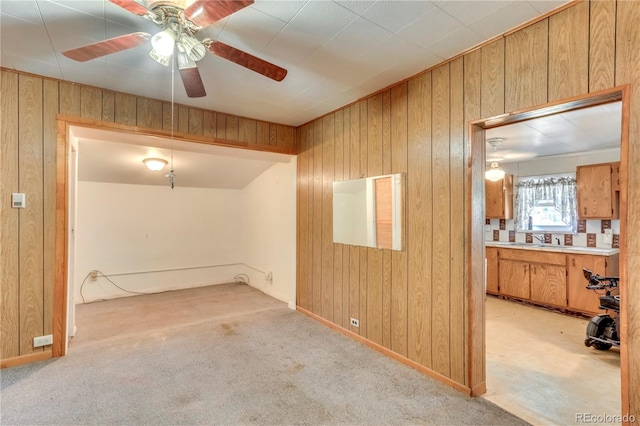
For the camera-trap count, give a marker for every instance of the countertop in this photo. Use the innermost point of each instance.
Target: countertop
(556, 248)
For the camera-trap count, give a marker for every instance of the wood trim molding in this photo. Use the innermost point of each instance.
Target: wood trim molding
(476, 180)
(183, 137)
(406, 361)
(60, 288)
(25, 359)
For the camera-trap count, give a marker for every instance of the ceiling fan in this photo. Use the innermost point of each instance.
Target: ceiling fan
(179, 26)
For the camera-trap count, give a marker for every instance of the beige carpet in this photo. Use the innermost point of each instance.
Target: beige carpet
(224, 355)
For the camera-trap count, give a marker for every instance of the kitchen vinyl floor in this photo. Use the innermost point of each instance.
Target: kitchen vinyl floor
(539, 369)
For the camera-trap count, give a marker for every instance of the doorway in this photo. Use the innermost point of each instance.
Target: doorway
(479, 131)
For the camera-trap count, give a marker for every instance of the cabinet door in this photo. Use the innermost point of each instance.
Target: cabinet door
(548, 284)
(579, 298)
(594, 191)
(514, 278)
(499, 198)
(491, 254)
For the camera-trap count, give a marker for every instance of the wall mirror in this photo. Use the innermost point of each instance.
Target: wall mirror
(368, 212)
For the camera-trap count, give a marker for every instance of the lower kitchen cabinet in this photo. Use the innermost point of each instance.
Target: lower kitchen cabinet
(549, 284)
(491, 256)
(550, 278)
(579, 297)
(514, 278)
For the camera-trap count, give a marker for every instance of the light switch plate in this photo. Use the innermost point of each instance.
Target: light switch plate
(607, 238)
(18, 200)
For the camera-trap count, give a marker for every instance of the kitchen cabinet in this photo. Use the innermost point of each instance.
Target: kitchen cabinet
(549, 278)
(499, 198)
(539, 276)
(598, 191)
(514, 278)
(549, 284)
(579, 298)
(491, 256)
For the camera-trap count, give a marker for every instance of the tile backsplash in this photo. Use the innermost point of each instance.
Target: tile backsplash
(591, 233)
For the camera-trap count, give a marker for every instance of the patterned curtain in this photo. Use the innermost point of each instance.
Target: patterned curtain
(562, 191)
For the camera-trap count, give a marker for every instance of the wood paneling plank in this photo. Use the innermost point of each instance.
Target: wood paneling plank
(273, 134)
(457, 312)
(149, 113)
(526, 60)
(209, 125)
(328, 134)
(374, 256)
(364, 172)
(346, 252)
(628, 72)
(569, 52)
(50, 126)
(386, 254)
(338, 249)
(419, 220)
(262, 137)
(108, 106)
(196, 121)
(492, 102)
(399, 296)
(316, 208)
(602, 44)
(354, 252)
(90, 102)
(474, 335)
(248, 130)
(125, 109)
(304, 234)
(70, 99)
(31, 238)
(9, 222)
(182, 113)
(441, 214)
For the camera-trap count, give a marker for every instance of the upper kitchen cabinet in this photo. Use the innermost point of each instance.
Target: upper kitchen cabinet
(499, 198)
(598, 191)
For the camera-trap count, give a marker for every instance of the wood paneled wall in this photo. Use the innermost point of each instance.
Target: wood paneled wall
(29, 111)
(414, 302)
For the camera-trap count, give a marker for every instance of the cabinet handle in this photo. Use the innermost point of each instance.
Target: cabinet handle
(574, 261)
(585, 210)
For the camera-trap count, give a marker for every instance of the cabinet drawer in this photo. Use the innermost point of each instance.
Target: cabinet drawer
(534, 256)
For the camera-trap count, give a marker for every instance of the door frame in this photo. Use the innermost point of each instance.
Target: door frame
(475, 226)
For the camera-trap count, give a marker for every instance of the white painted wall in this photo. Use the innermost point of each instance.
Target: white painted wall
(151, 238)
(123, 229)
(269, 231)
(559, 163)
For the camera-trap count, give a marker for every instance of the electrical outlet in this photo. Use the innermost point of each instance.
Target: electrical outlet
(355, 322)
(43, 341)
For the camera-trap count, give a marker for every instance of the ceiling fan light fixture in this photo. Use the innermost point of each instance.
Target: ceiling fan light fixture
(164, 42)
(161, 59)
(194, 48)
(184, 61)
(495, 173)
(155, 164)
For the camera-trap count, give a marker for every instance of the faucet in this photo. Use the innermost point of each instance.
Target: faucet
(558, 240)
(539, 238)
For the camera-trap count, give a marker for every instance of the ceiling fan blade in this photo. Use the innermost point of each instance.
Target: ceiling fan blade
(192, 82)
(131, 6)
(106, 47)
(206, 12)
(247, 60)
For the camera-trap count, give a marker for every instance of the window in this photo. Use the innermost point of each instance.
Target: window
(547, 204)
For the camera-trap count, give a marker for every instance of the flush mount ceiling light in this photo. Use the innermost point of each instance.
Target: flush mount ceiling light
(154, 164)
(495, 172)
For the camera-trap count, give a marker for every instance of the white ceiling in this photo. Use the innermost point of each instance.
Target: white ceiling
(116, 157)
(583, 130)
(335, 51)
